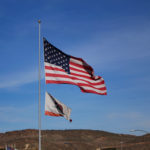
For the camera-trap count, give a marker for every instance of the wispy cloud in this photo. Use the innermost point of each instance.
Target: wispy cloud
(145, 124)
(116, 46)
(126, 115)
(16, 114)
(135, 120)
(17, 79)
(15, 117)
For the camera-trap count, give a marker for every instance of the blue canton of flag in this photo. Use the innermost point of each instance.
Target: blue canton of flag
(55, 56)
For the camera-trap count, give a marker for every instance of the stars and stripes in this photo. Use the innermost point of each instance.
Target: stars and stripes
(9, 148)
(62, 68)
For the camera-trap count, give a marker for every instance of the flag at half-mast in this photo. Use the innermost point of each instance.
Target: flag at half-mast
(62, 68)
(54, 107)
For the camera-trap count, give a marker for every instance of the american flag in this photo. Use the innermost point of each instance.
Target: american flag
(9, 148)
(61, 68)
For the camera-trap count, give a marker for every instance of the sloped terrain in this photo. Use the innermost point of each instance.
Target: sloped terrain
(73, 140)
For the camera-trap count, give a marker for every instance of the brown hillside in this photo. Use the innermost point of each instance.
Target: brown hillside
(73, 140)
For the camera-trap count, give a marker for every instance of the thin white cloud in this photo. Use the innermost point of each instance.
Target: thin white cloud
(17, 79)
(145, 124)
(126, 115)
(135, 120)
(16, 114)
(117, 46)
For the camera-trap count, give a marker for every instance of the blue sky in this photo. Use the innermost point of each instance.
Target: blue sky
(113, 36)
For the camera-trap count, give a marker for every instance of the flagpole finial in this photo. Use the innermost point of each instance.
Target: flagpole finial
(39, 21)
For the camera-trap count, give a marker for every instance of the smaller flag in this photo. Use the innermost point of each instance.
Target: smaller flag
(9, 148)
(54, 107)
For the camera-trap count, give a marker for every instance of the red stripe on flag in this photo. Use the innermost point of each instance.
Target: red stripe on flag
(78, 84)
(69, 82)
(81, 66)
(73, 78)
(52, 114)
(91, 91)
(78, 70)
(53, 68)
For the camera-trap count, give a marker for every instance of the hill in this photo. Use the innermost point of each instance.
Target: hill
(73, 140)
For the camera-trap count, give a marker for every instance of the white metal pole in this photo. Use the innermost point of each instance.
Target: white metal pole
(39, 21)
(6, 147)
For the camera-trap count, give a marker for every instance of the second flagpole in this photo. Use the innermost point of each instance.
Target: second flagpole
(39, 120)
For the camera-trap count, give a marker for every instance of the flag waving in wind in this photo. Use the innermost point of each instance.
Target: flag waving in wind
(54, 107)
(63, 68)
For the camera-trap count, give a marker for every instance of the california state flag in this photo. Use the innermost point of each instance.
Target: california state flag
(54, 107)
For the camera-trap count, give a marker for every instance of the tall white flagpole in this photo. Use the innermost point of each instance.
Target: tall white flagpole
(39, 21)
